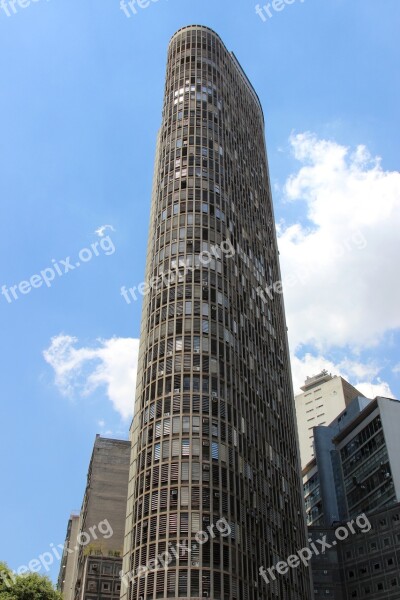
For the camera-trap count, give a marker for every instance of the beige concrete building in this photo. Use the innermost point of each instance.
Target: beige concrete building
(324, 397)
(66, 578)
(93, 552)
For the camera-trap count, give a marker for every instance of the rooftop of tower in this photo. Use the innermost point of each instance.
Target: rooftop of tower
(232, 54)
(315, 380)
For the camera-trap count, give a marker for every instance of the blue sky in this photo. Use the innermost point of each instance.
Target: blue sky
(80, 99)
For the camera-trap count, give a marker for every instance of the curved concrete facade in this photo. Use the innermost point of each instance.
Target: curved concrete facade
(214, 442)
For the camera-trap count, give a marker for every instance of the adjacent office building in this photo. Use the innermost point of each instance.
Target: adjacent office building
(322, 479)
(356, 470)
(66, 578)
(92, 560)
(214, 437)
(370, 562)
(323, 397)
(369, 449)
(327, 573)
(364, 565)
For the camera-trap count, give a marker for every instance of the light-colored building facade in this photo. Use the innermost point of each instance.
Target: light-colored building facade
(214, 434)
(67, 576)
(94, 547)
(323, 397)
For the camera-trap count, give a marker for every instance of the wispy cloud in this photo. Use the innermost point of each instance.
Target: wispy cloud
(110, 363)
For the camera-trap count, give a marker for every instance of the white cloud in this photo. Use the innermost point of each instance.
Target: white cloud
(371, 390)
(364, 377)
(340, 285)
(111, 363)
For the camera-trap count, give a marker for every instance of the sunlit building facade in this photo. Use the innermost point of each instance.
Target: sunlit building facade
(215, 489)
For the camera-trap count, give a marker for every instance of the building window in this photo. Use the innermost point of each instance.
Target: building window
(367, 590)
(92, 586)
(157, 449)
(214, 450)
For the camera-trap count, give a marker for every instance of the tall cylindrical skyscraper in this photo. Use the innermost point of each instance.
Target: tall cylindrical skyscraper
(215, 489)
